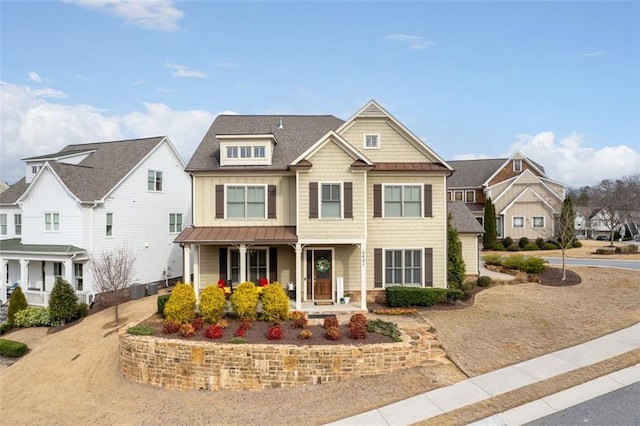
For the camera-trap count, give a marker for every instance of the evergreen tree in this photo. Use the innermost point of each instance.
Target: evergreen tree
(63, 302)
(455, 263)
(565, 230)
(490, 237)
(17, 303)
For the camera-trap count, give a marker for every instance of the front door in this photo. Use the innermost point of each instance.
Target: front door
(320, 271)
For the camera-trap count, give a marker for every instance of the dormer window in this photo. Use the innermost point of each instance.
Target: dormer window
(517, 165)
(232, 152)
(34, 169)
(258, 152)
(246, 150)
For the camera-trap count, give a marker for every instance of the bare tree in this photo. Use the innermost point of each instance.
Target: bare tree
(565, 231)
(113, 272)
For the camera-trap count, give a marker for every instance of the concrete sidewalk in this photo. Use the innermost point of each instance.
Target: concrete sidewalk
(440, 401)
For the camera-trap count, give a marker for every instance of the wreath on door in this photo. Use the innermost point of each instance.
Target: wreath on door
(323, 265)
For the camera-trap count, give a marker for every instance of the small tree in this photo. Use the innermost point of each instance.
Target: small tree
(63, 302)
(113, 272)
(490, 237)
(455, 263)
(17, 303)
(565, 231)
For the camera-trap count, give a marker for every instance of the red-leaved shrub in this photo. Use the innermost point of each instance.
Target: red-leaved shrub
(170, 327)
(197, 323)
(187, 330)
(358, 331)
(331, 322)
(241, 332)
(246, 323)
(305, 334)
(358, 319)
(274, 332)
(333, 333)
(213, 332)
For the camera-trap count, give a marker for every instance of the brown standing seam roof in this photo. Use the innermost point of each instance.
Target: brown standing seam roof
(238, 234)
(421, 167)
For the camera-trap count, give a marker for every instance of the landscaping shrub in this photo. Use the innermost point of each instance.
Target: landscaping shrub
(299, 320)
(32, 316)
(63, 302)
(246, 323)
(358, 319)
(550, 246)
(140, 330)
(213, 302)
(513, 262)
(181, 306)
(274, 332)
(170, 327)
(507, 241)
(498, 247)
(17, 302)
(554, 243)
(241, 332)
(5, 328)
(514, 247)
(187, 329)
(540, 243)
(305, 334)
(493, 259)
(244, 300)
(523, 242)
(358, 331)
(402, 297)
(452, 295)
(533, 265)
(214, 331)
(468, 286)
(385, 328)
(484, 281)
(162, 301)
(238, 340)
(577, 244)
(531, 247)
(83, 310)
(627, 249)
(333, 333)
(275, 303)
(12, 349)
(197, 323)
(331, 321)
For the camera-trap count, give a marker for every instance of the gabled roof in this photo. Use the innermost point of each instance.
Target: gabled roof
(477, 173)
(96, 175)
(462, 219)
(297, 134)
(338, 140)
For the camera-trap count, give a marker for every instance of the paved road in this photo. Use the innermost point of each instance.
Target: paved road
(604, 263)
(617, 408)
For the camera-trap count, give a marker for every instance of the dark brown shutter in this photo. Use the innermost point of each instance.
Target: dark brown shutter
(219, 201)
(428, 201)
(313, 200)
(273, 264)
(377, 200)
(348, 200)
(223, 263)
(428, 267)
(377, 268)
(271, 201)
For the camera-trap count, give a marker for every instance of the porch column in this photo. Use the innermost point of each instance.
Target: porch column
(186, 264)
(196, 272)
(299, 285)
(24, 274)
(363, 277)
(243, 263)
(4, 282)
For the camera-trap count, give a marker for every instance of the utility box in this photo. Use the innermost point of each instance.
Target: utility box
(136, 291)
(152, 289)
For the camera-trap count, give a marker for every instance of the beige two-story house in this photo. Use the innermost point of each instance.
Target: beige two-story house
(323, 206)
(525, 199)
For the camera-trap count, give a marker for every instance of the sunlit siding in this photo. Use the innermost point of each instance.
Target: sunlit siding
(469, 252)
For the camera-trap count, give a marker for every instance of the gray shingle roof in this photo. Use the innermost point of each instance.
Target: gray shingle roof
(15, 245)
(97, 174)
(472, 173)
(299, 132)
(462, 219)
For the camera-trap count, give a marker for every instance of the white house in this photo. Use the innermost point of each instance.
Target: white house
(88, 199)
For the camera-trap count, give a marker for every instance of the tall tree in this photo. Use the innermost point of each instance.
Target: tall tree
(455, 262)
(490, 237)
(565, 231)
(113, 272)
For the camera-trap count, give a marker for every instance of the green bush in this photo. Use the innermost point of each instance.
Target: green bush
(63, 302)
(540, 243)
(275, 303)
(550, 246)
(523, 242)
(498, 247)
(533, 265)
(554, 243)
(493, 259)
(244, 300)
(484, 281)
(12, 348)
(468, 285)
(454, 294)
(507, 241)
(181, 306)
(577, 244)
(140, 330)
(5, 328)
(83, 310)
(212, 304)
(17, 303)
(402, 297)
(32, 317)
(385, 328)
(513, 262)
(531, 247)
(162, 301)
(514, 247)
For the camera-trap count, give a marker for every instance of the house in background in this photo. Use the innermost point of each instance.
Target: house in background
(470, 233)
(525, 200)
(3, 186)
(330, 207)
(88, 199)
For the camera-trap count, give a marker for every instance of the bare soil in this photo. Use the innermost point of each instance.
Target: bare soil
(72, 376)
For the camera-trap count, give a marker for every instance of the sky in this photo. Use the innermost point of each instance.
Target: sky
(556, 81)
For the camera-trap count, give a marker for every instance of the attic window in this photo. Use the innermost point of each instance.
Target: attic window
(371, 141)
(517, 165)
(246, 150)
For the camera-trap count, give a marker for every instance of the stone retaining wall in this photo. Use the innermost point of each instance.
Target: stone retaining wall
(200, 365)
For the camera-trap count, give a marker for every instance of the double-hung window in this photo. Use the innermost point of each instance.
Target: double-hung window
(245, 152)
(538, 221)
(51, 221)
(232, 152)
(57, 269)
(517, 165)
(258, 151)
(330, 200)
(371, 141)
(402, 200)
(175, 222)
(403, 267)
(457, 195)
(109, 227)
(77, 276)
(246, 202)
(256, 264)
(469, 196)
(17, 223)
(154, 181)
(3, 224)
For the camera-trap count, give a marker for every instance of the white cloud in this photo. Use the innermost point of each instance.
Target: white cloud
(226, 65)
(588, 54)
(414, 42)
(149, 14)
(32, 125)
(182, 71)
(33, 76)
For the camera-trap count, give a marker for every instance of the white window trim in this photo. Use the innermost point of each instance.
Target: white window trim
(4, 226)
(364, 141)
(247, 266)
(403, 249)
(449, 195)
(320, 184)
(175, 223)
(533, 221)
(106, 225)
(456, 193)
(419, 185)
(245, 185)
(513, 221)
(499, 226)
(517, 165)
(473, 198)
(17, 227)
(155, 178)
(52, 215)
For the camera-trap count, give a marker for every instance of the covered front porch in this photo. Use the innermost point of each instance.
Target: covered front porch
(319, 274)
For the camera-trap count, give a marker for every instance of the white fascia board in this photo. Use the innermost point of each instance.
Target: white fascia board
(515, 200)
(341, 142)
(35, 180)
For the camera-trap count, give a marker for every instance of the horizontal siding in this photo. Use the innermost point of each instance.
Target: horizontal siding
(469, 253)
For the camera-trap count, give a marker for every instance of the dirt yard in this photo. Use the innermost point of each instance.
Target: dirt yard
(72, 377)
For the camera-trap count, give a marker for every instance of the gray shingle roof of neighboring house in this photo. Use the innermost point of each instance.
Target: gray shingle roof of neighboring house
(14, 245)
(473, 173)
(462, 219)
(298, 133)
(97, 174)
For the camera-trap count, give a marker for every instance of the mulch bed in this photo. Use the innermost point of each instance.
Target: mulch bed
(257, 334)
(553, 277)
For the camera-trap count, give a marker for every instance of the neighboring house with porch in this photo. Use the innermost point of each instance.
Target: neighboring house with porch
(87, 199)
(330, 207)
(525, 200)
(470, 233)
